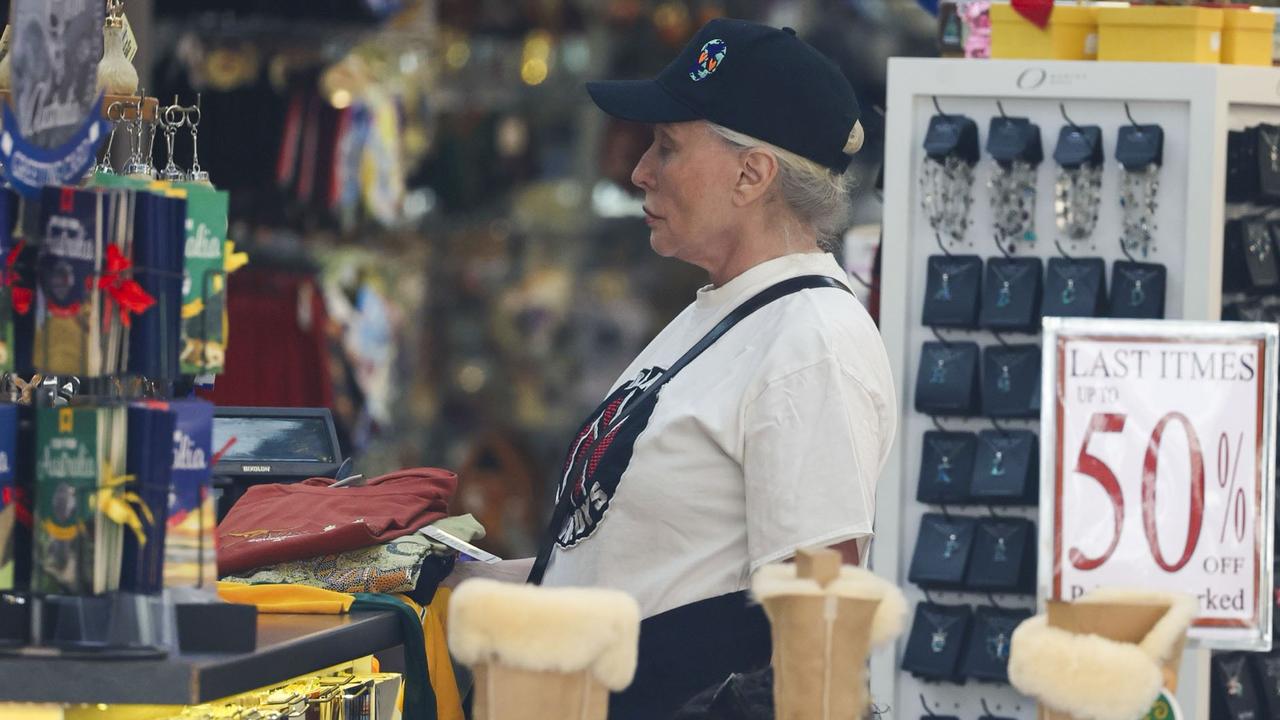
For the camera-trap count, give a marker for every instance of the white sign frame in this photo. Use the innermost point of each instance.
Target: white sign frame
(1058, 333)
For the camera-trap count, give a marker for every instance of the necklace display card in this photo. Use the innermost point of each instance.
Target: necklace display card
(1075, 288)
(1011, 381)
(1268, 144)
(951, 291)
(1234, 693)
(1249, 256)
(1266, 673)
(936, 642)
(941, 558)
(946, 467)
(1011, 295)
(1004, 556)
(947, 383)
(1138, 290)
(986, 656)
(1007, 469)
(1242, 165)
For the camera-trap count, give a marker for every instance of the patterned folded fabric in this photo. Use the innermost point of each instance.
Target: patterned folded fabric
(392, 567)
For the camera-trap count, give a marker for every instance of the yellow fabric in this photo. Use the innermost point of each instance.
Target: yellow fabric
(287, 598)
(443, 682)
(318, 601)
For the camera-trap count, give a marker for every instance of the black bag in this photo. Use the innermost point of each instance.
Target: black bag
(1004, 556)
(1075, 288)
(741, 696)
(946, 467)
(951, 291)
(1007, 470)
(947, 382)
(1011, 381)
(987, 656)
(1138, 290)
(936, 642)
(941, 557)
(1011, 293)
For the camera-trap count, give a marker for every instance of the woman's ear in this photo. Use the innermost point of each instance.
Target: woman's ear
(758, 169)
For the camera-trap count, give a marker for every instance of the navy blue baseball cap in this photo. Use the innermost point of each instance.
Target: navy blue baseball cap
(755, 79)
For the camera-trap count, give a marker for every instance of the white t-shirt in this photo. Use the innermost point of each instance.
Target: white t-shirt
(769, 441)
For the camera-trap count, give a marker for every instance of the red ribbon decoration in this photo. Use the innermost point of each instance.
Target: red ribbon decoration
(1035, 11)
(127, 294)
(21, 297)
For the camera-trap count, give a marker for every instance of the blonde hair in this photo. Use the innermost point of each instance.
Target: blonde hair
(817, 197)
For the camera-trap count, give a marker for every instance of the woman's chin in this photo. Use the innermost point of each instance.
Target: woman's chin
(662, 243)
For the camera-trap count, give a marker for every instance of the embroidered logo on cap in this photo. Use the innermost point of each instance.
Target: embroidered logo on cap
(709, 59)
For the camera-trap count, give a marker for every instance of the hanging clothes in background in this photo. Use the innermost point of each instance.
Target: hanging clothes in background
(278, 357)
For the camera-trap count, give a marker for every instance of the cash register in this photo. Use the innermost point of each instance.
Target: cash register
(271, 445)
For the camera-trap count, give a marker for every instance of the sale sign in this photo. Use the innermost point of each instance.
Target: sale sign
(1158, 466)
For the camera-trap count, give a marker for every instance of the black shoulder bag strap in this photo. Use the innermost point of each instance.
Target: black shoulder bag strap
(764, 297)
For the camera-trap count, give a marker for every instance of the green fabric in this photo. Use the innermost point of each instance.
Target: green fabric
(419, 697)
(463, 527)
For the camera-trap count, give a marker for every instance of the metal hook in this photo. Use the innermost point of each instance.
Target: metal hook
(1125, 249)
(945, 512)
(991, 509)
(1003, 250)
(1129, 114)
(937, 423)
(992, 598)
(986, 709)
(938, 237)
(927, 597)
(1000, 340)
(1062, 107)
(925, 702)
(996, 424)
(938, 107)
(1000, 107)
(944, 341)
(1061, 252)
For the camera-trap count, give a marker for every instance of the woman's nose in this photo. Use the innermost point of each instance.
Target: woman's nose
(642, 175)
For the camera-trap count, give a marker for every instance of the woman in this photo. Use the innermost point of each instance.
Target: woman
(771, 438)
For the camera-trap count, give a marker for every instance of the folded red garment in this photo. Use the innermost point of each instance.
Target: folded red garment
(272, 524)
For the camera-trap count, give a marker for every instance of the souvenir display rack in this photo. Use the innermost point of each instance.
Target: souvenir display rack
(1194, 105)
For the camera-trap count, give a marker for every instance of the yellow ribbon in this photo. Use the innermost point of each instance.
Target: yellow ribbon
(118, 504)
(192, 309)
(234, 260)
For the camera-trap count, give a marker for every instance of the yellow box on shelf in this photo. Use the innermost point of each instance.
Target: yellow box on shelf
(1247, 36)
(1072, 34)
(1160, 33)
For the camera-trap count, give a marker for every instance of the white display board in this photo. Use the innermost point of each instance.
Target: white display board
(1196, 105)
(1155, 467)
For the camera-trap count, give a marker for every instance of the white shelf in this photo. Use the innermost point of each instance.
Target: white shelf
(1196, 105)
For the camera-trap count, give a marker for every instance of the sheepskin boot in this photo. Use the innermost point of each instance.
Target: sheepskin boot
(1104, 657)
(540, 653)
(825, 620)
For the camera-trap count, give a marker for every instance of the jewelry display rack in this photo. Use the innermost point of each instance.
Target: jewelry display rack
(1195, 105)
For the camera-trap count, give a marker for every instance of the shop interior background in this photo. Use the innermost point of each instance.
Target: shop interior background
(445, 245)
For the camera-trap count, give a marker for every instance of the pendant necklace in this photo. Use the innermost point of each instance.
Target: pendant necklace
(948, 272)
(1137, 295)
(953, 540)
(941, 625)
(1004, 295)
(1005, 382)
(1001, 552)
(944, 450)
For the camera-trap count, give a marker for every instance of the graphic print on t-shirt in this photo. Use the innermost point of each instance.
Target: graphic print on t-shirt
(596, 479)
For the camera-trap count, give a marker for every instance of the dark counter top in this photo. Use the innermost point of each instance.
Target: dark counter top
(288, 646)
